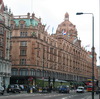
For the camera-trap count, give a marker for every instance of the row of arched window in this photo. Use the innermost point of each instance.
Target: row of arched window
(39, 73)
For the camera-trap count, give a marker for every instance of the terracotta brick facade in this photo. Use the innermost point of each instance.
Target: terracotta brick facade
(37, 54)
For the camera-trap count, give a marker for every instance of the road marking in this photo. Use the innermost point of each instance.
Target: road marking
(65, 98)
(54, 95)
(69, 97)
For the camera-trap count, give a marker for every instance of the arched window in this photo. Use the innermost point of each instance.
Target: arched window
(14, 71)
(44, 73)
(24, 72)
(56, 76)
(38, 73)
(32, 72)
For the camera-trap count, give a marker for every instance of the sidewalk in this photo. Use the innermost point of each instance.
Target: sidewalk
(6, 94)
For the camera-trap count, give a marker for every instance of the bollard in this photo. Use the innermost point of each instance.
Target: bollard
(31, 91)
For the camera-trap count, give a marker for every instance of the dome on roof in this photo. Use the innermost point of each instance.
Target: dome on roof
(67, 27)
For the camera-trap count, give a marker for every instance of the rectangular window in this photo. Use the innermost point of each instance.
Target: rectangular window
(23, 34)
(23, 52)
(22, 61)
(39, 36)
(1, 30)
(1, 41)
(21, 25)
(23, 43)
(1, 53)
(12, 26)
(23, 72)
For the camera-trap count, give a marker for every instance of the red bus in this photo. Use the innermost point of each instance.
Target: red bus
(89, 85)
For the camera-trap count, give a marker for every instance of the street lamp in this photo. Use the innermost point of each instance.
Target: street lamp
(36, 65)
(43, 67)
(80, 13)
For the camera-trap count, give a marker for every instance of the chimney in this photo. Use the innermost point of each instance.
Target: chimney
(33, 15)
(28, 15)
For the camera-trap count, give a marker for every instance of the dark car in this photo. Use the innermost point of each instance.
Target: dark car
(13, 88)
(63, 89)
(1, 90)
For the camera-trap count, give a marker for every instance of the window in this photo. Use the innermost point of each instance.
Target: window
(23, 43)
(32, 72)
(23, 52)
(14, 71)
(1, 41)
(22, 61)
(1, 53)
(1, 30)
(38, 73)
(23, 34)
(1, 67)
(23, 72)
(12, 26)
(21, 25)
(39, 36)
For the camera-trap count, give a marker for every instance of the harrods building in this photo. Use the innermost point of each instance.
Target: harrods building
(35, 54)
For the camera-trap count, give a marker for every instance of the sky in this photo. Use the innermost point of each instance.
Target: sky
(52, 14)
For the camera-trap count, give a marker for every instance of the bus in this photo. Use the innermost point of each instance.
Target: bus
(89, 85)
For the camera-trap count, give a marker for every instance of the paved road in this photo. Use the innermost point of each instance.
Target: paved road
(53, 95)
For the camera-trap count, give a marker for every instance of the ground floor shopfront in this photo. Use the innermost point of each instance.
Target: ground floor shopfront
(38, 77)
(5, 72)
(40, 82)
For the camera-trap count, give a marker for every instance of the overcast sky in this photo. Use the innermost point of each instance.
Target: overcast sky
(52, 13)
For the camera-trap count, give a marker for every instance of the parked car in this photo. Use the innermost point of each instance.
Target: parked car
(63, 89)
(80, 89)
(22, 87)
(13, 88)
(1, 90)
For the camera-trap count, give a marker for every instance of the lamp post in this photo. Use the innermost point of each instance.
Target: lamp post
(80, 13)
(43, 67)
(36, 65)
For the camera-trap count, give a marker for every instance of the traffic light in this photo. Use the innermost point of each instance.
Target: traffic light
(49, 79)
(97, 82)
(53, 80)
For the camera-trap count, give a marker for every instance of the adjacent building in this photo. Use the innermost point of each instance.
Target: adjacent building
(35, 54)
(98, 75)
(5, 35)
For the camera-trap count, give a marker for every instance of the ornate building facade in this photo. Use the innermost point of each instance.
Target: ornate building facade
(35, 54)
(5, 34)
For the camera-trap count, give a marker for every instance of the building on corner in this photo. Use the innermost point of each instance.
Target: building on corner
(37, 55)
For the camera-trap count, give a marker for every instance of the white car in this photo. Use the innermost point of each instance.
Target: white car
(1, 90)
(80, 90)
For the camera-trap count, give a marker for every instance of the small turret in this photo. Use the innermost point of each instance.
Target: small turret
(66, 16)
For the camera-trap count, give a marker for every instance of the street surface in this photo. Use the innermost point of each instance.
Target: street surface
(53, 95)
